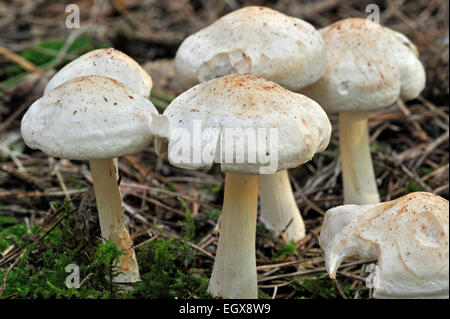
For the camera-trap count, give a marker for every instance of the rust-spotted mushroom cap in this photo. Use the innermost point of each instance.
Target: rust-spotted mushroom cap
(91, 117)
(253, 40)
(368, 67)
(244, 102)
(409, 236)
(109, 63)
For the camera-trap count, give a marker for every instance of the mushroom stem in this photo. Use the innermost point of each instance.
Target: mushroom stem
(234, 271)
(357, 170)
(110, 212)
(279, 211)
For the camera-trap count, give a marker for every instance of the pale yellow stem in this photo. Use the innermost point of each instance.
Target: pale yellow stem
(279, 211)
(234, 271)
(357, 170)
(110, 212)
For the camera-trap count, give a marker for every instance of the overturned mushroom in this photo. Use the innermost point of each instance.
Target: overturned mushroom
(368, 67)
(409, 236)
(250, 126)
(95, 118)
(266, 43)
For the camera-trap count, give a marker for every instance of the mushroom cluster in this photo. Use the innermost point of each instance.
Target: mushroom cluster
(241, 110)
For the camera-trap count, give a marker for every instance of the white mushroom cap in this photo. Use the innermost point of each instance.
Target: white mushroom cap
(368, 67)
(253, 40)
(91, 117)
(409, 236)
(248, 103)
(109, 63)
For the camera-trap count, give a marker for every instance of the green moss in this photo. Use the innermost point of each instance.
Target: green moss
(11, 232)
(287, 250)
(263, 295)
(165, 264)
(413, 187)
(165, 267)
(188, 224)
(41, 271)
(377, 148)
(5, 220)
(216, 189)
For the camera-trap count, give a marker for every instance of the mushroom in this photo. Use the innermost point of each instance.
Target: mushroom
(95, 118)
(368, 67)
(257, 41)
(269, 44)
(250, 126)
(409, 236)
